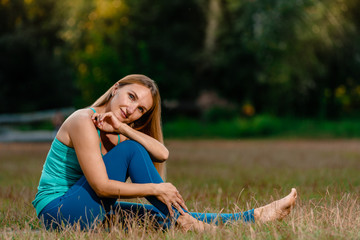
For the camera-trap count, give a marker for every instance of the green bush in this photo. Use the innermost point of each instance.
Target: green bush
(218, 113)
(262, 126)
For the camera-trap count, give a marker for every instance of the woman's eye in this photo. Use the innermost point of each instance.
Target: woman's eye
(141, 109)
(132, 97)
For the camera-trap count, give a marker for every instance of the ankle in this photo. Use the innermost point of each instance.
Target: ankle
(257, 214)
(184, 220)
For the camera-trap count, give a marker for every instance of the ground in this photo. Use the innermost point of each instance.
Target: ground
(218, 176)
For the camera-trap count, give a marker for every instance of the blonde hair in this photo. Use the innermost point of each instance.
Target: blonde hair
(150, 122)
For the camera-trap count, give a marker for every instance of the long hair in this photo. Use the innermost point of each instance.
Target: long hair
(150, 122)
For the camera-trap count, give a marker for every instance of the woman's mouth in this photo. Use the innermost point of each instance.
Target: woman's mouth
(123, 114)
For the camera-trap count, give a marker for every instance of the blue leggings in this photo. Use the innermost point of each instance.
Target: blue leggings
(80, 204)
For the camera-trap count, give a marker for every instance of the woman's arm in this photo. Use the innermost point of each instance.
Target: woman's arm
(157, 150)
(109, 123)
(85, 140)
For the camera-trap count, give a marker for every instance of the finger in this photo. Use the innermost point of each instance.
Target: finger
(184, 206)
(95, 119)
(99, 119)
(102, 117)
(182, 202)
(170, 209)
(94, 116)
(178, 207)
(107, 116)
(179, 196)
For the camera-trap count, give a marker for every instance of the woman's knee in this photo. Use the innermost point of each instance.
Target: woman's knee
(132, 145)
(127, 148)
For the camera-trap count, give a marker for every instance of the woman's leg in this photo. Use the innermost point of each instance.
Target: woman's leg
(81, 204)
(142, 211)
(139, 168)
(129, 158)
(149, 174)
(275, 210)
(216, 218)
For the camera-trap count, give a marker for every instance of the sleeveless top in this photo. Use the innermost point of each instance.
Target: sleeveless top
(60, 172)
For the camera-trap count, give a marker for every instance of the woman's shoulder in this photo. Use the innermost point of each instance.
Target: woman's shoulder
(79, 121)
(81, 114)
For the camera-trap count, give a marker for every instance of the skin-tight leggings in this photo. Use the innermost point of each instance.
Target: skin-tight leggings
(81, 205)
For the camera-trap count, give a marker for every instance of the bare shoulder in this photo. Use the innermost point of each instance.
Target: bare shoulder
(81, 115)
(78, 122)
(78, 118)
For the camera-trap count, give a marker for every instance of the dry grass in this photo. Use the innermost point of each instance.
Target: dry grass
(215, 176)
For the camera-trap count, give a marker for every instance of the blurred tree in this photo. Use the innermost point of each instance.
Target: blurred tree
(281, 55)
(284, 57)
(114, 38)
(33, 70)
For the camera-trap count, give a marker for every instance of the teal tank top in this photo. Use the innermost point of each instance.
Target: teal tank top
(60, 172)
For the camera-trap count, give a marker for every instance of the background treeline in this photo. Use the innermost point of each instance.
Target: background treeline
(296, 58)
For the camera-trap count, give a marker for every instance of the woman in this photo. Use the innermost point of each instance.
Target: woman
(98, 148)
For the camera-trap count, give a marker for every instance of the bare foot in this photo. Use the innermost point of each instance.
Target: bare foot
(276, 210)
(189, 223)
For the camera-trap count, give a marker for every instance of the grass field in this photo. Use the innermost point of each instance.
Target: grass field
(216, 176)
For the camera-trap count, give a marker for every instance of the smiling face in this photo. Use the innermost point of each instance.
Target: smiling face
(130, 102)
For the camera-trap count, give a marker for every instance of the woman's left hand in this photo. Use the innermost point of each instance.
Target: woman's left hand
(170, 196)
(107, 122)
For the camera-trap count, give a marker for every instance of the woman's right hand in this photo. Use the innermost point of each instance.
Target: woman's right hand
(107, 122)
(170, 196)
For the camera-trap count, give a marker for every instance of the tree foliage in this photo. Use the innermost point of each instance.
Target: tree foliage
(33, 70)
(289, 57)
(114, 38)
(283, 57)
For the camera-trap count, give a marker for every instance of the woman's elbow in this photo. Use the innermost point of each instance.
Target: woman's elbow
(164, 156)
(100, 191)
(161, 157)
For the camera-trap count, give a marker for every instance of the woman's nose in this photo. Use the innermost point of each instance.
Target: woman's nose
(131, 109)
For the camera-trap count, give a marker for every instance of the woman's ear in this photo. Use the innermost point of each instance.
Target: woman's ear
(115, 88)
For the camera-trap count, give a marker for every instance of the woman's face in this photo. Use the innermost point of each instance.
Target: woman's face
(130, 102)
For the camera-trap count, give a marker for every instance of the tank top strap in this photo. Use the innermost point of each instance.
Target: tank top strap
(98, 130)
